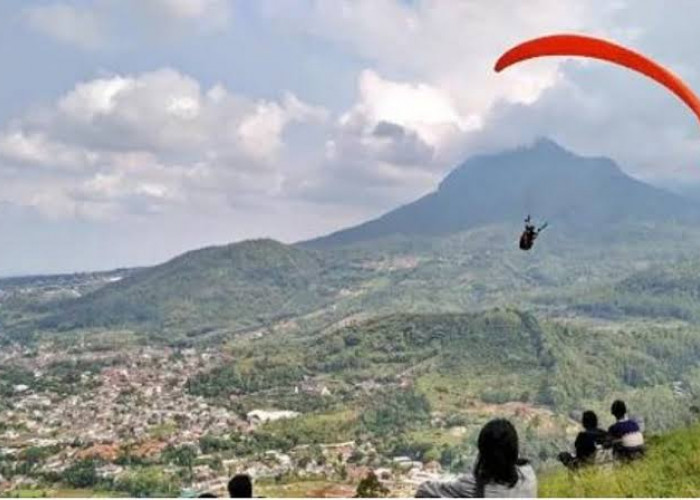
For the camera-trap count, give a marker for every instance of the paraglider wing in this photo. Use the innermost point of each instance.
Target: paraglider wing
(586, 46)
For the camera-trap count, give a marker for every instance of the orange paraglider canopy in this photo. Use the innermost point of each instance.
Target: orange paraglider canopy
(596, 48)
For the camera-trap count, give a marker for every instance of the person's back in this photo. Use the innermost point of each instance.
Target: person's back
(588, 442)
(527, 238)
(467, 487)
(627, 437)
(498, 472)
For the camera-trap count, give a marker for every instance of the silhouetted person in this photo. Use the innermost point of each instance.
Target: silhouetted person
(498, 472)
(587, 442)
(240, 486)
(627, 438)
(527, 238)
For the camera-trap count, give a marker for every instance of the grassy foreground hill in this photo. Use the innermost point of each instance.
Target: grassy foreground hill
(670, 469)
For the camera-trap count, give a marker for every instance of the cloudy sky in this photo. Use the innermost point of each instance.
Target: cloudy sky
(133, 130)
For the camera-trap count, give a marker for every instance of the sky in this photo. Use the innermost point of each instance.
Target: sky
(134, 130)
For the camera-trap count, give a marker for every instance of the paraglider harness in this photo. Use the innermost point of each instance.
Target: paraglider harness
(527, 239)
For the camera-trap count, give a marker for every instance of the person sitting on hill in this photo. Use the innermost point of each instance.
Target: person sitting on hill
(499, 471)
(587, 444)
(240, 486)
(627, 438)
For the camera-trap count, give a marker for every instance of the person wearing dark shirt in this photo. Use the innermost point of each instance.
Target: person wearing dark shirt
(627, 438)
(587, 442)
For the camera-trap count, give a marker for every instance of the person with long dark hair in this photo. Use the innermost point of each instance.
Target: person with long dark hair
(499, 471)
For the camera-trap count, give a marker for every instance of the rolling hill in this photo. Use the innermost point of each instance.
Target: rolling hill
(238, 285)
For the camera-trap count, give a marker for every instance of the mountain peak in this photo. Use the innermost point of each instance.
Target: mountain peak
(544, 179)
(548, 146)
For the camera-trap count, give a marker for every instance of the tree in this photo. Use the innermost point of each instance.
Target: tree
(432, 455)
(371, 487)
(81, 474)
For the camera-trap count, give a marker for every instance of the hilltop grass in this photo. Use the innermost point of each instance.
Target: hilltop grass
(670, 469)
(61, 493)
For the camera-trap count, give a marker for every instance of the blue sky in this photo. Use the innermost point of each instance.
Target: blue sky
(133, 130)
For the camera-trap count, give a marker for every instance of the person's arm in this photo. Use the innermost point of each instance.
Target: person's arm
(462, 488)
(582, 451)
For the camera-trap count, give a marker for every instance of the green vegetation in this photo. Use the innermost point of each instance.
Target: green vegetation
(239, 286)
(370, 487)
(668, 291)
(148, 482)
(82, 474)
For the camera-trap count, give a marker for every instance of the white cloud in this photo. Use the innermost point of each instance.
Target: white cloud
(449, 45)
(444, 93)
(94, 98)
(428, 87)
(37, 149)
(68, 24)
(423, 108)
(211, 13)
(97, 25)
(142, 142)
(260, 131)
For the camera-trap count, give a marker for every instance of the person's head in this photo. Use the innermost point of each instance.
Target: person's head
(240, 486)
(589, 420)
(498, 453)
(618, 409)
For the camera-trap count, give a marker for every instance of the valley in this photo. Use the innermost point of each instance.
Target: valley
(310, 365)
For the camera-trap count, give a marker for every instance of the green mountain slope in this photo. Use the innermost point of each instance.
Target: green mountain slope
(496, 356)
(670, 290)
(238, 286)
(670, 469)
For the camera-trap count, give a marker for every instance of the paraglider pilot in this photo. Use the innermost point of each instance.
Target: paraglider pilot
(527, 239)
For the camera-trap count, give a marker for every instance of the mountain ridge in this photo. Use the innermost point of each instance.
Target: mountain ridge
(256, 283)
(574, 192)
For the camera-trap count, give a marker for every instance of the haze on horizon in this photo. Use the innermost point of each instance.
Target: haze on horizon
(132, 131)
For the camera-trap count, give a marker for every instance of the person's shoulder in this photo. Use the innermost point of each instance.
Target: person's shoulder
(527, 471)
(623, 427)
(525, 466)
(527, 486)
(629, 425)
(582, 436)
